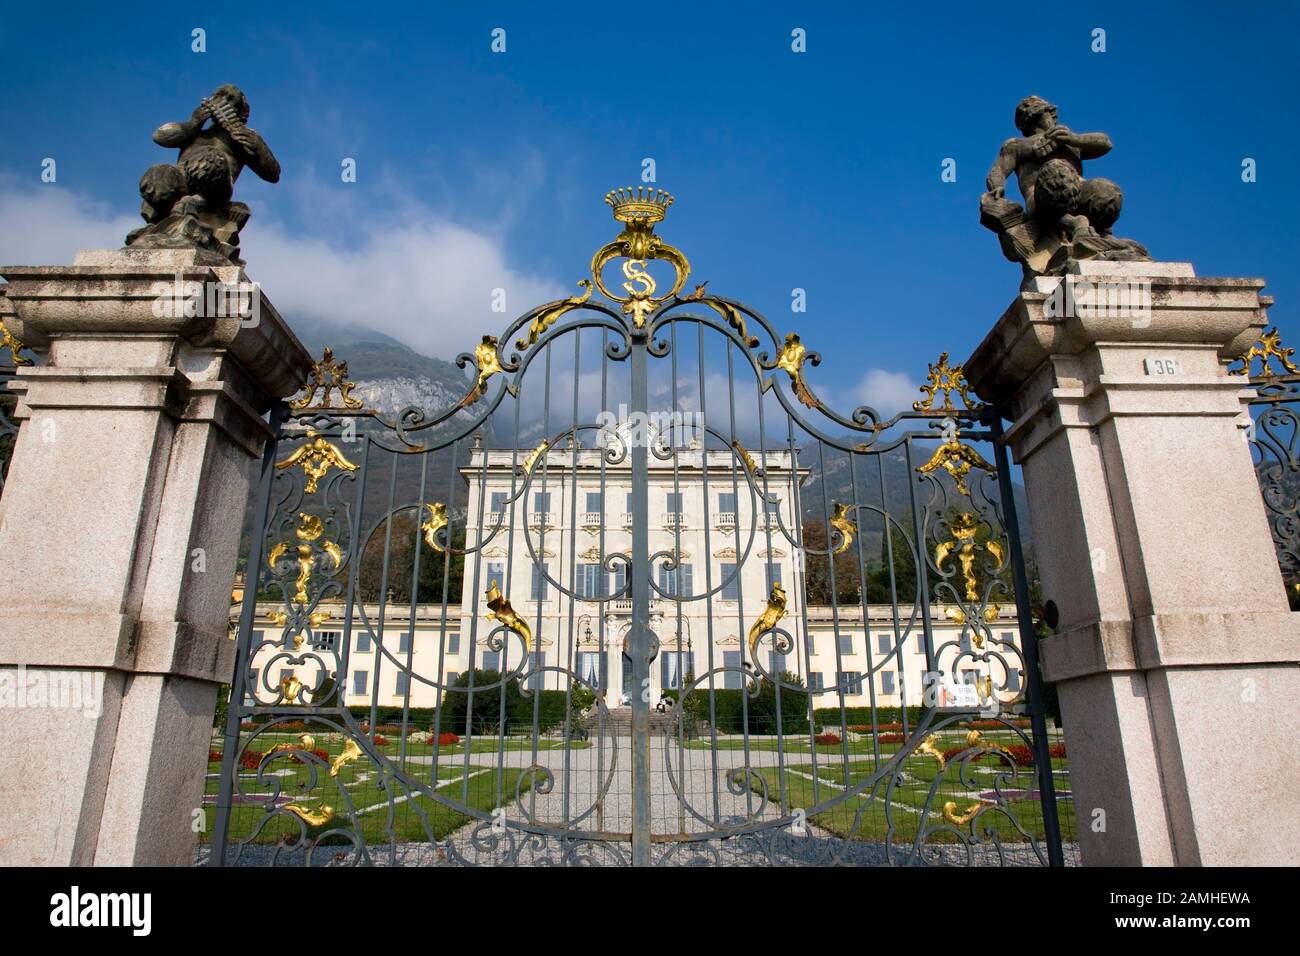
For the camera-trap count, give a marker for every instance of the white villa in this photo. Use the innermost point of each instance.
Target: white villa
(578, 512)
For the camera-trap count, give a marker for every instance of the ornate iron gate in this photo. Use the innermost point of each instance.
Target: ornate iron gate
(800, 637)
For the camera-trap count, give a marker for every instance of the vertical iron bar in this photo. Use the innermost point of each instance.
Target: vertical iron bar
(234, 712)
(1029, 644)
(640, 633)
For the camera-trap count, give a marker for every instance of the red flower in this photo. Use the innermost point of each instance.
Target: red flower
(447, 739)
(827, 738)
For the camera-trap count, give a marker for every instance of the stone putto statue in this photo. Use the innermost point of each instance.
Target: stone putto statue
(1065, 217)
(187, 204)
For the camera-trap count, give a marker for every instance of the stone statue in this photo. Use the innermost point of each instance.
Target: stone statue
(187, 204)
(1065, 217)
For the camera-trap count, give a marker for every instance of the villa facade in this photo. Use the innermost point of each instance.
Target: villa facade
(549, 552)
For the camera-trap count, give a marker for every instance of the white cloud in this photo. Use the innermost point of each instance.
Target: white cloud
(45, 224)
(885, 391)
(405, 271)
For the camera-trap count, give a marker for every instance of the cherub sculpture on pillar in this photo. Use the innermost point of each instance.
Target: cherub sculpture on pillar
(187, 204)
(1065, 217)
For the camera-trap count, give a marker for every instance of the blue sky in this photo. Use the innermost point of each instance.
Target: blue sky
(818, 170)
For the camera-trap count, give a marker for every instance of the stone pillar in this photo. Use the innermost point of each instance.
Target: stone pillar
(1175, 653)
(119, 530)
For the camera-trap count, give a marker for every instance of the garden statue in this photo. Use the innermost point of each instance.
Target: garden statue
(1065, 217)
(187, 204)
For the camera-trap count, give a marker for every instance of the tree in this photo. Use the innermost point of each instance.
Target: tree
(486, 715)
(817, 568)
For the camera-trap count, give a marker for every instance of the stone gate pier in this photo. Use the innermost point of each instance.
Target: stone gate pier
(120, 526)
(1174, 653)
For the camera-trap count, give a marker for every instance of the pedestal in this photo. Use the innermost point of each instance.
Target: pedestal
(1175, 653)
(119, 526)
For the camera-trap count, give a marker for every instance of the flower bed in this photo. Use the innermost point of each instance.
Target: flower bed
(827, 739)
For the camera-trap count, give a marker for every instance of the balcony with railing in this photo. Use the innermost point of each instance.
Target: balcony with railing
(541, 519)
(674, 519)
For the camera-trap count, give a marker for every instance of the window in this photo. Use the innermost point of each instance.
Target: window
(773, 575)
(285, 674)
(887, 682)
(675, 666)
(403, 683)
(732, 680)
(965, 642)
(620, 579)
(325, 640)
(774, 507)
(497, 573)
(491, 661)
(590, 581)
(363, 643)
(776, 663)
(671, 578)
(452, 677)
(851, 681)
(816, 680)
(499, 500)
(629, 502)
(595, 501)
(674, 502)
(540, 582)
(403, 643)
(882, 643)
(730, 582)
(286, 640)
(727, 502)
(1013, 679)
(542, 502)
(360, 680)
(537, 679)
(591, 668)
(845, 642)
(812, 648)
(1008, 637)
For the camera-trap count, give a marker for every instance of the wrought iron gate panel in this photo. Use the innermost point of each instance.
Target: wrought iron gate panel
(548, 704)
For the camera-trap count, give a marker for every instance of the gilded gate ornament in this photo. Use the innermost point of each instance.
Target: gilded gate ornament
(310, 529)
(964, 527)
(791, 361)
(327, 376)
(436, 521)
(639, 209)
(322, 815)
(509, 618)
(530, 461)
(947, 379)
(316, 458)
(726, 310)
(960, 819)
(488, 360)
(747, 458)
(841, 522)
(549, 314)
(351, 751)
(957, 458)
(1269, 346)
(929, 747)
(9, 341)
(773, 613)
